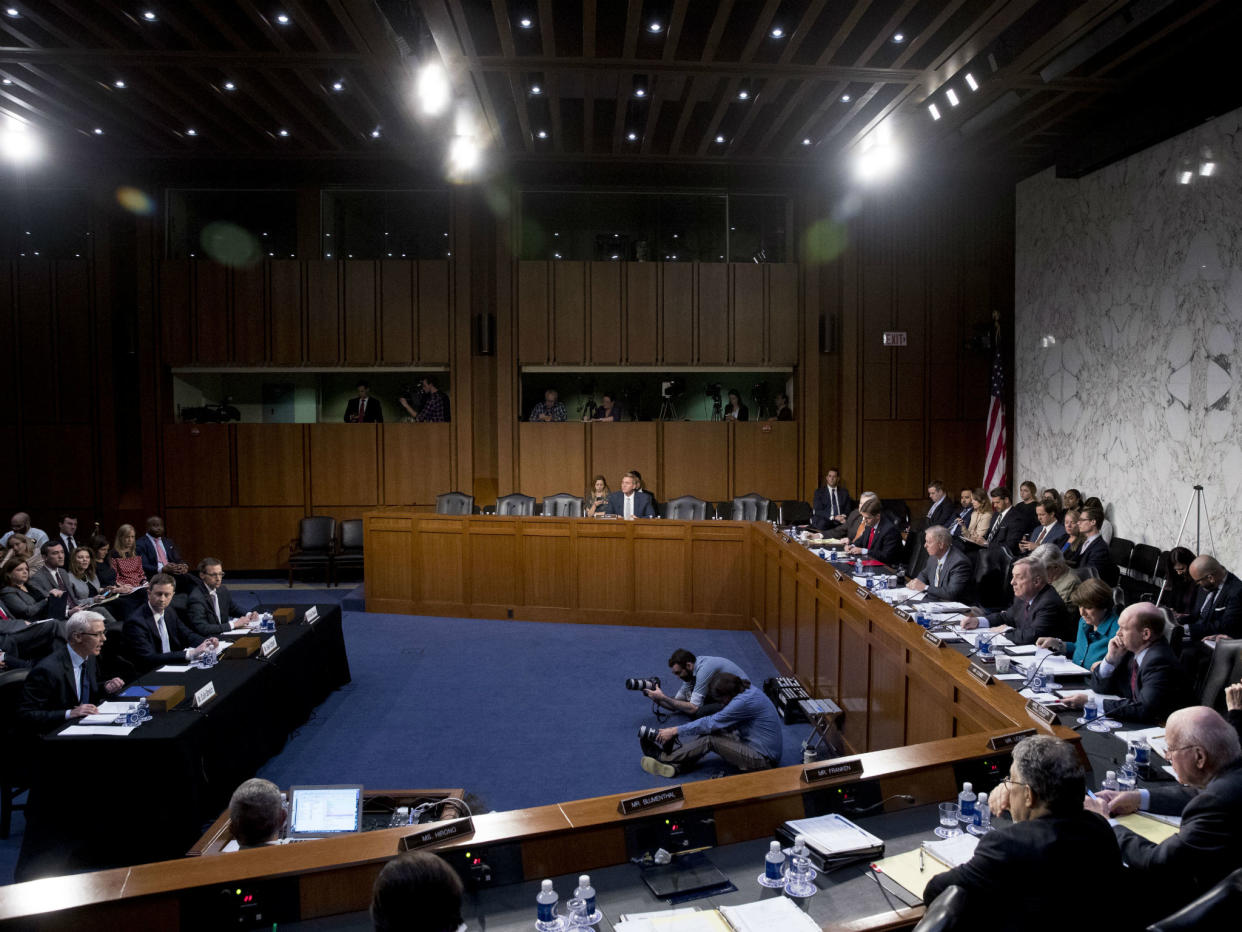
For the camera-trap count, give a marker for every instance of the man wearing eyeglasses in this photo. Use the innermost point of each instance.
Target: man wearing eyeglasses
(63, 685)
(211, 609)
(1205, 755)
(1218, 606)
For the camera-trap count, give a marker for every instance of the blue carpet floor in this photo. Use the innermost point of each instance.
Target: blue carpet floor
(519, 713)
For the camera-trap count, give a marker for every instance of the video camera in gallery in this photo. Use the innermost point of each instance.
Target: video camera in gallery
(210, 414)
(651, 682)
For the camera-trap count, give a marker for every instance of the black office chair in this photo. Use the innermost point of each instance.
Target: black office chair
(349, 552)
(563, 505)
(454, 503)
(1144, 564)
(1120, 550)
(685, 508)
(515, 504)
(947, 912)
(751, 507)
(1224, 668)
(794, 511)
(898, 512)
(1217, 909)
(14, 762)
(313, 547)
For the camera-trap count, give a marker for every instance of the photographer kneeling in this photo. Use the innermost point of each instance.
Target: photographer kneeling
(745, 732)
(697, 676)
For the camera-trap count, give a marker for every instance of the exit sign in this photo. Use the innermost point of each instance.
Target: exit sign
(894, 338)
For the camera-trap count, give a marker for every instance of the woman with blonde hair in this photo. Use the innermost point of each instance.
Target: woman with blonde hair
(597, 497)
(124, 560)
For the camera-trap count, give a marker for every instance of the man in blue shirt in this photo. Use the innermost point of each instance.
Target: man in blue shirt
(696, 674)
(745, 733)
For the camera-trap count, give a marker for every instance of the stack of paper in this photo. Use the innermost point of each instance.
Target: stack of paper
(834, 835)
(953, 852)
(765, 915)
(108, 711)
(673, 920)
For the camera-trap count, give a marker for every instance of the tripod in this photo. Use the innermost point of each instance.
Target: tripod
(716, 413)
(1199, 504)
(668, 410)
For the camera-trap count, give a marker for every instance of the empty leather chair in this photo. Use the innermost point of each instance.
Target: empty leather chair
(1213, 910)
(752, 507)
(314, 546)
(563, 505)
(454, 503)
(349, 552)
(515, 504)
(685, 508)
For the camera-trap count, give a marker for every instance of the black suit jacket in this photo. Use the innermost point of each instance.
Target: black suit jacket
(1224, 616)
(1162, 687)
(1056, 534)
(1046, 617)
(142, 639)
(822, 515)
(1008, 530)
(956, 577)
(942, 513)
(643, 504)
(373, 415)
(150, 562)
(886, 545)
(1206, 847)
(202, 618)
(1098, 557)
(50, 691)
(1015, 867)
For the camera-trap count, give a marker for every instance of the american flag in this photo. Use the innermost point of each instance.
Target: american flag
(996, 469)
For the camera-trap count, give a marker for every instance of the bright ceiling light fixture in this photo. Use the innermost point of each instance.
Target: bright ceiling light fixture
(952, 97)
(934, 111)
(970, 81)
(432, 88)
(777, 32)
(878, 158)
(1207, 169)
(464, 157)
(18, 142)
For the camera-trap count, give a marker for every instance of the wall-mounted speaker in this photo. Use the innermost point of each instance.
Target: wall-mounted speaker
(484, 334)
(828, 333)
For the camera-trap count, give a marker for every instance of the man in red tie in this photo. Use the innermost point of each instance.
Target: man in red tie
(364, 409)
(878, 538)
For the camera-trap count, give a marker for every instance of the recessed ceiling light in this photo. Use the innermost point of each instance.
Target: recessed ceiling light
(283, 19)
(542, 134)
(846, 98)
(229, 86)
(970, 81)
(777, 32)
(655, 26)
(97, 131)
(743, 95)
(720, 139)
(952, 97)
(631, 136)
(149, 16)
(1207, 169)
(640, 92)
(375, 133)
(12, 11)
(1184, 177)
(806, 142)
(536, 89)
(119, 83)
(6, 80)
(338, 86)
(934, 111)
(282, 132)
(525, 22)
(899, 37)
(191, 131)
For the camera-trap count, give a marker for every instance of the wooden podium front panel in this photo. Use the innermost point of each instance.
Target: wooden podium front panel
(389, 581)
(806, 629)
(722, 568)
(787, 614)
(827, 681)
(552, 458)
(439, 564)
(492, 575)
(855, 678)
(547, 559)
(765, 459)
(694, 458)
(929, 707)
(661, 569)
(605, 563)
(417, 462)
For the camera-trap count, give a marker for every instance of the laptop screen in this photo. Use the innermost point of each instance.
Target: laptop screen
(324, 810)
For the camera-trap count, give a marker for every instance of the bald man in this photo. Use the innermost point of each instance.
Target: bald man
(1218, 607)
(1207, 760)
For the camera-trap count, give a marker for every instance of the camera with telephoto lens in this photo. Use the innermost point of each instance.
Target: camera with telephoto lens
(652, 682)
(647, 733)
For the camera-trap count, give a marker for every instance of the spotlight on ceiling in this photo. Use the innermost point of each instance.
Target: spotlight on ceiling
(536, 90)
(655, 27)
(463, 157)
(433, 89)
(12, 12)
(338, 86)
(283, 19)
(191, 131)
(542, 134)
(282, 133)
(777, 32)
(970, 81)
(899, 37)
(118, 83)
(375, 133)
(934, 111)
(720, 139)
(631, 136)
(229, 86)
(18, 142)
(525, 22)
(878, 159)
(149, 16)
(97, 131)
(743, 94)
(806, 142)
(846, 98)
(952, 97)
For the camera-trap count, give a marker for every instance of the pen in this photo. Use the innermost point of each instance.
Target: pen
(920, 860)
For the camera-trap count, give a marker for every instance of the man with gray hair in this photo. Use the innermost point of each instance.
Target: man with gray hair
(256, 813)
(1037, 610)
(1044, 793)
(1207, 760)
(947, 575)
(63, 685)
(1060, 576)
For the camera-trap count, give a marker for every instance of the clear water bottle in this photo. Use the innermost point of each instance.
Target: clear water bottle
(144, 708)
(546, 919)
(858, 566)
(1110, 781)
(586, 892)
(773, 867)
(1128, 776)
(133, 716)
(985, 648)
(966, 804)
(1142, 753)
(401, 816)
(983, 817)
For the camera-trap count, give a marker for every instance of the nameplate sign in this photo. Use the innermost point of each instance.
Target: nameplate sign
(982, 674)
(903, 614)
(673, 794)
(863, 594)
(1040, 711)
(205, 695)
(931, 639)
(833, 770)
(269, 646)
(839, 575)
(312, 615)
(1000, 742)
(435, 834)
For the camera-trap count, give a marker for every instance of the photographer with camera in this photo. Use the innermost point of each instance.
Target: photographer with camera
(745, 733)
(697, 675)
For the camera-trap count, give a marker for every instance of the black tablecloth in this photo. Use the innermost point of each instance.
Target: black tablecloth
(110, 801)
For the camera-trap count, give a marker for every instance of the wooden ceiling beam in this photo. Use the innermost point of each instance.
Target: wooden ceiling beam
(672, 36)
(500, 14)
(760, 32)
(452, 38)
(500, 63)
(633, 24)
(794, 39)
(723, 100)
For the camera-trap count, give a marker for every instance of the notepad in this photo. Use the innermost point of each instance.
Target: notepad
(778, 912)
(909, 870)
(87, 731)
(834, 835)
(1142, 824)
(953, 852)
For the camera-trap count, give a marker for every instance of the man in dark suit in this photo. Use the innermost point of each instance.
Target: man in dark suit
(1207, 762)
(1094, 552)
(211, 610)
(364, 409)
(67, 534)
(1037, 611)
(1218, 607)
(941, 510)
(159, 554)
(154, 635)
(631, 501)
(1044, 794)
(64, 685)
(1048, 528)
(947, 577)
(1141, 668)
(32, 640)
(50, 581)
(1008, 524)
(877, 537)
(832, 503)
(960, 520)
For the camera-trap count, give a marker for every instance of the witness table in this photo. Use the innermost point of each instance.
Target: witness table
(111, 801)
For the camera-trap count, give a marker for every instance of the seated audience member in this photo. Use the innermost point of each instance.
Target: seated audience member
(550, 409)
(154, 635)
(20, 524)
(608, 410)
(211, 607)
(877, 538)
(64, 685)
(1207, 760)
(1037, 610)
(962, 513)
(746, 732)
(1094, 553)
(1073, 536)
(941, 510)
(1009, 526)
(1106, 526)
(597, 497)
(51, 582)
(364, 409)
(435, 409)
(1052, 495)
(66, 529)
(947, 577)
(256, 814)
(19, 600)
(697, 676)
(831, 504)
(124, 560)
(853, 525)
(631, 501)
(783, 411)
(100, 547)
(1072, 499)
(1097, 624)
(17, 633)
(159, 554)
(417, 892)
(22, 547)
(1218, 609)
(981, 518)
(84, 583)
(1139, 666)
(1180, 592)
(735, 410)
(1060, 576)
(1233, 703)
(1048, 528)
(1028, 498)
(1008, 878)
(10, 656)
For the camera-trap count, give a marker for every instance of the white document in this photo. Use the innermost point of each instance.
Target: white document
(1041, 698)
(834, 834)
(82, 731)
(176, 668)
(954, 851)
(107, 713)
(778, 912)
(1174, 820)
(1022, 649)
(909, 596)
